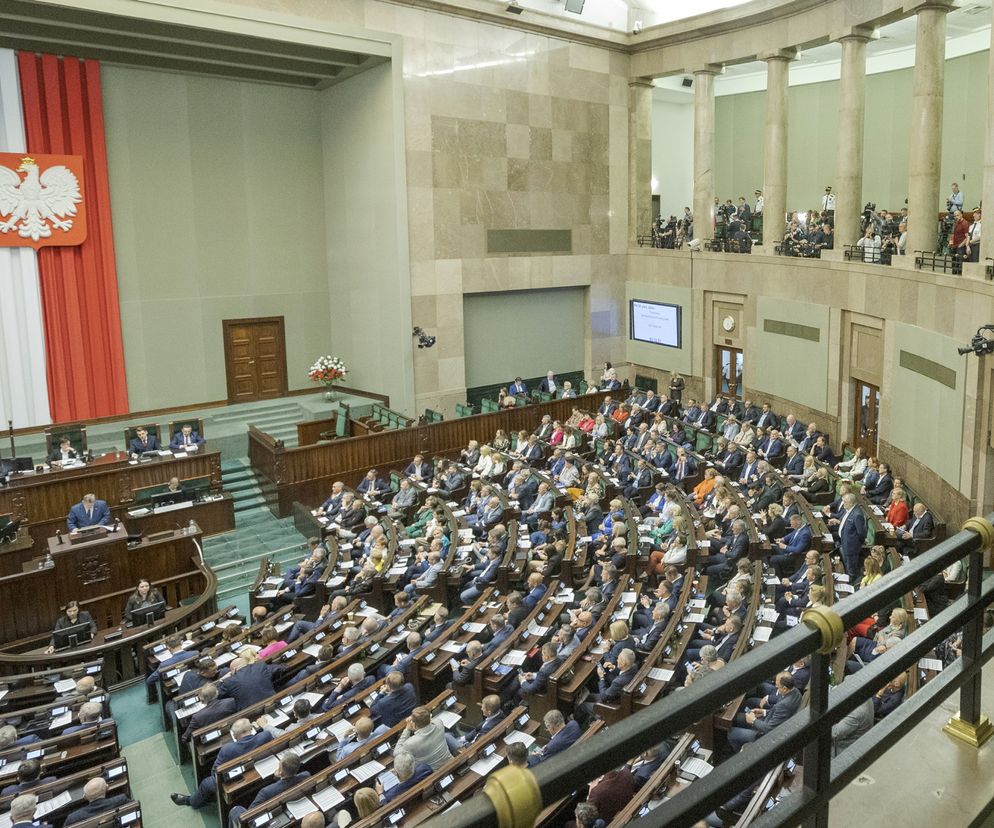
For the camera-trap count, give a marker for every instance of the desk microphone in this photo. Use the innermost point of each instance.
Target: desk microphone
(58, 534)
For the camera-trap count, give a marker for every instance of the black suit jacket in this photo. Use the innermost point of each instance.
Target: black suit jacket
(213, 712)
(98, 806)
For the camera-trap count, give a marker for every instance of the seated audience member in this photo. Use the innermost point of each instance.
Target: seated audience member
(490, 709)
(144, 596)
(22, 812)
(213, 710)
(28, 777)
(364, 731)
(408, 772)
(186, 439)
(562, 735)
(90, 714)
(288, 774)
(354, 682)
(248, 683)
(97, 801)
(758, 721)
(889, 696)
(425, 739)
(244, 738)
(852, 726)
(396, 702)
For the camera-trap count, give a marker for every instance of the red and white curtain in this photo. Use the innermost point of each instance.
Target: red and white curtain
(61, 352)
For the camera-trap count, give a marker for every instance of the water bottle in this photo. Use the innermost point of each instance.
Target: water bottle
(192, 528)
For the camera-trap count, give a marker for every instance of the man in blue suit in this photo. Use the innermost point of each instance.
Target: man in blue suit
(247, 683)
(88, 512)
(794, 544)
(563, 735)
(186, 439)
(486, 576)
(288, 774)
(408, 773)
(794, 464)
(501, 632)
(533, 684)
(143, 442)
(97, 801)
(396, 703)
(490, 708)
(243, 739)
(518, 386)
(852, 533)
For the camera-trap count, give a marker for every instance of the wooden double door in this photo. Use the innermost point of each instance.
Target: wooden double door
(255, 358)
(866, 417)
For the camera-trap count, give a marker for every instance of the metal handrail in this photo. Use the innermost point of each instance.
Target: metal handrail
(809, 730)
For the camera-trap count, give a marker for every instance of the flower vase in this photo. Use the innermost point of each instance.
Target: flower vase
(329, 393)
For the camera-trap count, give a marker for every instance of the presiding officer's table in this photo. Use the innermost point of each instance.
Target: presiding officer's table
(101, 574)
(41, 500)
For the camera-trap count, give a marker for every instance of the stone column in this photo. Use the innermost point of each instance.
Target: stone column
(848, 184)
(775, 147)
(925, 154)
(703, 206)
(987, 242)
(639, 158)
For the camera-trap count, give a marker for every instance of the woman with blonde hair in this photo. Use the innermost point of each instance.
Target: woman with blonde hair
(871, 572)
(485, 465)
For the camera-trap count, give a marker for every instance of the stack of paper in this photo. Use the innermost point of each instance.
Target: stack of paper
(482, 767)
(341, 730)
(63, 686)
(267, 766)
(448, 718)
(515, 657)
(517, 736)
(367, 771)
(328, 798)
(659, 674)
(299, 808)
(49, 805)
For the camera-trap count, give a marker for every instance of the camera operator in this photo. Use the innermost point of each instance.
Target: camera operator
(741, 240)
(667, 236)
(959, 241)
(973, 242)
(657, 230)
(870, 245)
(955, 200)
(720, 220)
(793, 239)
(869, 217)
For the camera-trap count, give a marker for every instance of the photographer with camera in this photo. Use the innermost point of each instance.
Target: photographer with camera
(870, 245)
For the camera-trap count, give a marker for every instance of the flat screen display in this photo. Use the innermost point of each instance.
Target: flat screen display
(656, 323)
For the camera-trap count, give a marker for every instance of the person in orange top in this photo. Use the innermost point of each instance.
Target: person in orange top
(621, 413)
(703, 489)
(897, 512)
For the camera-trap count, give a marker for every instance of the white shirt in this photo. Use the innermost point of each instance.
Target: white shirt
(828, 201)
(759, 204)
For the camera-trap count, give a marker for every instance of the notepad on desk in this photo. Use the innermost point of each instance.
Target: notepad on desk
(517, 736)
(452, 647)
(474, 626)
(660, 674)
(762, 633)
(341, 730)
(266, 593)
(367, 771)
(448, 718)
(62, 686)
(328, 798)
(482, 767)
(299, 808)
(267, 766)
(53, 804)
(515, 657)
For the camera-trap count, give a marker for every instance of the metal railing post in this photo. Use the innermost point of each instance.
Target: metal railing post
(817, 760)
(970, 725)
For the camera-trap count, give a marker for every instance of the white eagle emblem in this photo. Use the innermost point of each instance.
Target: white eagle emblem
(39, 202)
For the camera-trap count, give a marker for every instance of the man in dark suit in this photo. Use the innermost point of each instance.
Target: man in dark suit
(607, 407)
(22, 812)
(501, 632)
(396, 702)
(97, 801)
(248, 683)
(852, 533)
(733, 547)
(28, 777)
(463, 673)
(65, 453)
(794, 544)
(373, 486)
(213, 710)
(563, 735)
(706, 420)
(355, 682)
(647, 637)
(143, 442)
(549, 384)
(723, 639)
(533, 684)
(760, 721)
(919, 526)
(288, 774)
(685, 466)
(491, 711)
(88, 512)
(186, 439)
(243, 739)
(750, 469)
(794, 464)
(408, 773)
(878, 494)
(610, 684)
(767, 418)
(517, 387)
(648, 763)
(419, 469)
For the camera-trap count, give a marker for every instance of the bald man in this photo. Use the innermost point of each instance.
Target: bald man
(97, 801)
